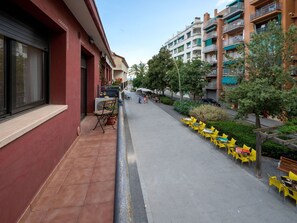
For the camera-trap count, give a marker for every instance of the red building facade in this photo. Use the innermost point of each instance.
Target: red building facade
(51, 59)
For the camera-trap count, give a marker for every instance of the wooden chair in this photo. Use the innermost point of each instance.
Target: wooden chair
(105, 109)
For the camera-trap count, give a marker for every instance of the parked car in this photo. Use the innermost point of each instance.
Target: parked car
(210, 101)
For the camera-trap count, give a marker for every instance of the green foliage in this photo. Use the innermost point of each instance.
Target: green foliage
(159, 66)
(183, 107)
(172, 76)
(268, 52)
(137, 82)
(194, 76)
(289, 128)
(290, 102)
(167, 101)
(244, 134)
(209, 113)
(138, 69)
(255, 97)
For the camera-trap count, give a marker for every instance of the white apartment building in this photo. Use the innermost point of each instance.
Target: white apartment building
(187, 44)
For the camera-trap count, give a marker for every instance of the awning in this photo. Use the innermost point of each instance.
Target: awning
(229, 80)
(233, 18)
(231, 47)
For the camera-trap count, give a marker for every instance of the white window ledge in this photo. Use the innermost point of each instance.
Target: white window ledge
(14, 128)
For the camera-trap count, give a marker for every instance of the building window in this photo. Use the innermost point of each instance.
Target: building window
(2, 80)
(188, 44)
(22, 76)
(188, 55)
(188, 34)
(181, 48)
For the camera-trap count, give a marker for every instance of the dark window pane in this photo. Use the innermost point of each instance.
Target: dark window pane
(27, 69)
(2, 79)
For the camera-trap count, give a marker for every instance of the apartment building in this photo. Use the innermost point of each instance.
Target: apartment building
(259, 12)
(234, 25)
(187, 44)
(121, 69)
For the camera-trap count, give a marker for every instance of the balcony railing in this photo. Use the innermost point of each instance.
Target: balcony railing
(272, 7)
(234, 25)
(213, 73)
(232, 41)
(239, 7)
(210, 35)
(211, 60)
(210, 48)
(211, 85)
(210, 23)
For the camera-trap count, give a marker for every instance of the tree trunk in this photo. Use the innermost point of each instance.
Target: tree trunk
(171, 94)
(258, 123)
(194, 97)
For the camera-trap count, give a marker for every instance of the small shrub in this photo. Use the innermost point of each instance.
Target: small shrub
(167, 101)
(183, 107)
(209, 113)
(289, 127)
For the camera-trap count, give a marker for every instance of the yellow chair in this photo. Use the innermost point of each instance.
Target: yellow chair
(222, 136)
(273, 181)
(253, 156)
(231, 143)
(187, 120)
(196, 125)
(246, 147)
(201, 127)
(193, 120)
(292, 176)
(214, 135)
(208, 135)
(291, 193)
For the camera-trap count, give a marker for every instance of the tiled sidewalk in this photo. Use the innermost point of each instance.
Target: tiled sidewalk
(82, 188)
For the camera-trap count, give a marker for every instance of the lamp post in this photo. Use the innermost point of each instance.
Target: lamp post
(179, 84)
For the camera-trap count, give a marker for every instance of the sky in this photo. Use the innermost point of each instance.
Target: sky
(137, 29)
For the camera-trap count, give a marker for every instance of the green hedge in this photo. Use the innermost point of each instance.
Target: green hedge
(166, 100)
(244, 134)
(184, 107)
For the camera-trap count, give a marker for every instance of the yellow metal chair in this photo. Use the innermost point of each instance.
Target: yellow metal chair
(273, 181)
(231, 146)
(253, 156)
(246, 147)
(291, 193)
(208, 135)
(196, 125)
(214, 135)
(201, 127)
(193, 120)
(187, 120)
(222, 136)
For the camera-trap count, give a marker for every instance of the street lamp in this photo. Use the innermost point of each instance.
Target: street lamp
(179, 84)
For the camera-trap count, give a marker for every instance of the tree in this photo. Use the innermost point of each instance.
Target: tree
(158, 67)
(172, 77)
(139, 71)
(267, 58)
(194, 76)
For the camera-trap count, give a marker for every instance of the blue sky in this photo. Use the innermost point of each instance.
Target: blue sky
(137, 29)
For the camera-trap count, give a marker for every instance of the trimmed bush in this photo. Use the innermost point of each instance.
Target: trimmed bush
(244, 134)
(209, 113)
(166, 100)
(183, 107)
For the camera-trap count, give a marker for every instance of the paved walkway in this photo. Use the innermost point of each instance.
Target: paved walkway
(184, 178)
(81, 189)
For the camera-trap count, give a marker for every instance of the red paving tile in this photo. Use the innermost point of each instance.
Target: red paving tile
(97, 213)
(62, 215)
(82, 187)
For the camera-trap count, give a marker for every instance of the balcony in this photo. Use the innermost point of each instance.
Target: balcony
(210, 35)
(211, 60)
(259, 3)
(213, 73)
(234, 26)
(210, 23)
(234, 10)
(210, 48)
(211, 86)
(267, 12)
(232, 41)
